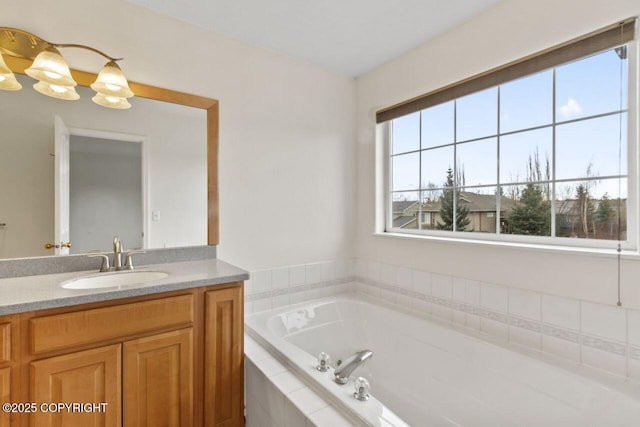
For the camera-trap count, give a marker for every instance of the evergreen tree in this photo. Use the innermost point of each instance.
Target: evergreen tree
(533, 216)
(447, 208)
(604, 216)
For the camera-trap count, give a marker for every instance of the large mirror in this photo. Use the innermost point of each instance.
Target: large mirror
(147, 174)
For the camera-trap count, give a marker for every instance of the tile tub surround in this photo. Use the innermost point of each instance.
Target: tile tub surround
(277, 398)
(67, 263)
(598, 335)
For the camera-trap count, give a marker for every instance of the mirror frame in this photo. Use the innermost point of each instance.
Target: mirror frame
(141, 90)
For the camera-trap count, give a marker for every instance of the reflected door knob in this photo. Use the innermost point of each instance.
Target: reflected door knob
(61, 245)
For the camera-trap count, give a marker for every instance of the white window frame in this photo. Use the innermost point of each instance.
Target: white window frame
(384, 214)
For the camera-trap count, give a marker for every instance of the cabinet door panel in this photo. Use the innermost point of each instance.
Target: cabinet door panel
(223, 367)
(158, 380)
(91, 376)
(5, 394)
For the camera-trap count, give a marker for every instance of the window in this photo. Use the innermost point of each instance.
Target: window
(537, 148)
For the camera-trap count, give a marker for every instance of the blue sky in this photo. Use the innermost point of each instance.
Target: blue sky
(584, 88)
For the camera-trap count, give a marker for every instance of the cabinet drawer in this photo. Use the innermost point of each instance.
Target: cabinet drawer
(83, 327)
(5, 342)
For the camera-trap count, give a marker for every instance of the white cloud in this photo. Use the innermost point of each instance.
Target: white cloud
(570, 109)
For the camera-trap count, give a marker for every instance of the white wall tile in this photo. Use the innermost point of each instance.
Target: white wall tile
(560, 311)
(248, 287)
(442, 312)
(261, 281)
(342, 269)
(257, 416)
(326, 417)
(459, 317)
(287, 382)
(421, 281)
(441, 286)
(362, 268)
(388, 274)
(561, 348)
(525, 337)
(472, 292)
(525, 304)
(293, 417)
(261, 305)
(328, 271)
(604, 360)
(280, 278)
(373, 270)
(313, 273)
(248, 307)
(280, 301)
(473, 322)
(404, 301)
(297, 275)
(459, 289)
(603, 320)
(404, 277)
(634, 369)
(494, 297)
(306, 400)
(298, 297)
(494, 328)
(633, 320)
(421, 306)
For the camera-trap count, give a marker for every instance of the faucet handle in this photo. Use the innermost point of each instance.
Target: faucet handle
(128, 262)
(105, 261)
(323, 362)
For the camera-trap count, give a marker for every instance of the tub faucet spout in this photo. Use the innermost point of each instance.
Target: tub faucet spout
(345, 368)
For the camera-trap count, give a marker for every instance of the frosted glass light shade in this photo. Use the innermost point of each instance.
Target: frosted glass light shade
(50, 67)
(111, 101)
(112, 82)
(67, 93)
(7, 78)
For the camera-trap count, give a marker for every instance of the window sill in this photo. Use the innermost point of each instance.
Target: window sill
(555, 249)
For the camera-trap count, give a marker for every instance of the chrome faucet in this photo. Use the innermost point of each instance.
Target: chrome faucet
(345, 368)
(117, 253)
(117, 257)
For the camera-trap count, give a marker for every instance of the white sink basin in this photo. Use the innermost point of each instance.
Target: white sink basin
(111, 280)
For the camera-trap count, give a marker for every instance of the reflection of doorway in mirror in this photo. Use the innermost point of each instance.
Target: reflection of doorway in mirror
(107, 190)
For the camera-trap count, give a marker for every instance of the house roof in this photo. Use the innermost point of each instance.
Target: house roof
(476, 203)
(402, 206)
(403, 221)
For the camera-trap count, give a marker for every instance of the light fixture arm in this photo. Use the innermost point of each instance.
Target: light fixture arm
(23, 44)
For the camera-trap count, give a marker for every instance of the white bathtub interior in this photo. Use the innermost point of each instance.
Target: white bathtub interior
(427, 373)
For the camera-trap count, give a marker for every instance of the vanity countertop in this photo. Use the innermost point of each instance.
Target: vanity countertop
(30, 293)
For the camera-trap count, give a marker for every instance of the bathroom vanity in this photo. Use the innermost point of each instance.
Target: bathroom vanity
(168, 352)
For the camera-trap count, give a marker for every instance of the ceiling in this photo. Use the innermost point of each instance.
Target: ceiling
(352, 37)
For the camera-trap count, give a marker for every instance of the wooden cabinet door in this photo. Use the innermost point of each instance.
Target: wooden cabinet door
(86, 377)
(5, 394)
(223, 359)
(158, 380)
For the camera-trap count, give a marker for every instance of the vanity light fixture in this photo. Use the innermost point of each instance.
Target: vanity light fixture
(53, 73)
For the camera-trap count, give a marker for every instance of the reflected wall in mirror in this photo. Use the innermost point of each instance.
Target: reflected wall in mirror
(177, 181)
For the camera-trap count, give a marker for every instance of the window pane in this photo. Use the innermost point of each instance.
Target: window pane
(477, 210)
(526, 102)
(406, 171)
(589, 209)
(405, 208)
(590, 86)
(435, 164)
(526, 209)
(437, 125)
(526, 156)
(477, 115)
(590, 148)
(405, 134)
(477, 162)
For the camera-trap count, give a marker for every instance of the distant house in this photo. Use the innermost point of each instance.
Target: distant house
(569, 219)
(482, 212)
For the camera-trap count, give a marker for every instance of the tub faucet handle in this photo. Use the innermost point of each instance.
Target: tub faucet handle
(323, 362)
(362, 389)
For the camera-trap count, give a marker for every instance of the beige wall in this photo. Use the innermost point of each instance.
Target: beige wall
(287, 154)
(510, 30)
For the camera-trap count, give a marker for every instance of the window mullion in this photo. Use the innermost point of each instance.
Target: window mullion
(553, 154)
